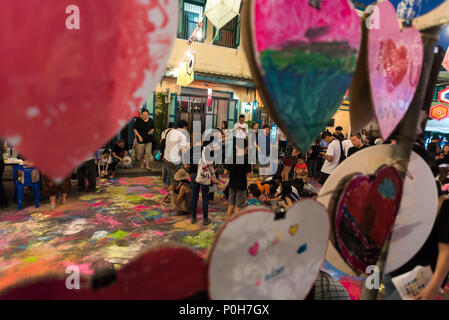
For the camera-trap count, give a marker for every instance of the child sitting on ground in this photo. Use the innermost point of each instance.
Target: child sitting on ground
(254, 196)
(303, 191)
(301, 171)
(182, 200)
(105, 166)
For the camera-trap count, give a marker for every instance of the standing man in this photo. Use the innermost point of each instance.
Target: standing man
(357, 144)
(176, 145)
(339, 133)
(118, 153)
(143, 129)
(434, 148)
(332, 157)
(165, 177)
(241, 128)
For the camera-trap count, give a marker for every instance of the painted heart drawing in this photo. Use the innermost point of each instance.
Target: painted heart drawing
(158, 274)
(365, 214)
(289, 255)
(73, 89)
(394, 61)
(302, 55)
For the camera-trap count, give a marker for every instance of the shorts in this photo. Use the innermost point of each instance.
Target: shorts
(144, 148)
(237, 198)
(288, 162)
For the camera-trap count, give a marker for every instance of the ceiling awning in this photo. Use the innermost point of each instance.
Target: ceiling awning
(438, 126)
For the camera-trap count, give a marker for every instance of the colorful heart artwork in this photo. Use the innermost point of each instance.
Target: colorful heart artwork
(394, 60)
(286, 263)
(302, 54)
(366, 212)
(417, 212)
(158, 274)
(71, 87)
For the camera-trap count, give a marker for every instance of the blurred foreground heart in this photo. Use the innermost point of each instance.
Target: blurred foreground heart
(158, 274)
(65, 92)
(366, 212)
(256, 257)
(303, 56)
(395, 61)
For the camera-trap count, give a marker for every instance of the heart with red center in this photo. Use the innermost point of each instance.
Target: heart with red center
(263, 256)
(366, 212)
(158, 274)
(395, 60)
(71, 80)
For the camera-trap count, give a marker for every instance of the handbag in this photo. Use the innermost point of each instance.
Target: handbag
(158, 155)
(205, 174)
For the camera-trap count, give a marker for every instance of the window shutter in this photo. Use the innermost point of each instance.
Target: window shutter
(181, 19)
(237, 33)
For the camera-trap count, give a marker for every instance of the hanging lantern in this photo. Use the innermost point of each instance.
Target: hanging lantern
(220, 12)
(186, 72)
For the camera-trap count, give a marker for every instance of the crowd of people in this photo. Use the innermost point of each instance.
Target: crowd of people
(245, 159)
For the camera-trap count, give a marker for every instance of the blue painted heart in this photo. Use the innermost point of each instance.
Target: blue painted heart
(303, 69)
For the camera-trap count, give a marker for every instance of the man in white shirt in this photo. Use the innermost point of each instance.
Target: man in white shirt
(347, 144)
(333, 155)
(176, 145)
(241, 128)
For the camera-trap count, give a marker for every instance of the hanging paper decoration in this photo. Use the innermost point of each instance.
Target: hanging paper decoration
(302, 69)
(394, 59)
(365, 215)
(416, 214)
(186, 73)
(446, 61)
(220, 12)
(443, 95)
(73, 89)
(257, 257)
(195, 33)
(158, 274)
(439, 112)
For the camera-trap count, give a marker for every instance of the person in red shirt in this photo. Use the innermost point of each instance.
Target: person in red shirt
(301, 171)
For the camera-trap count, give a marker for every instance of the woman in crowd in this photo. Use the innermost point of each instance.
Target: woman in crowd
(196, 187)
(289, 160)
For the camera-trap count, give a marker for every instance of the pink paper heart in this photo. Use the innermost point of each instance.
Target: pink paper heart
(395, 62)
(72, 90)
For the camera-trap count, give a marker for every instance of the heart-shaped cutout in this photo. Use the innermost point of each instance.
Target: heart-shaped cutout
(366, 212)
(395, 60)
(302, 54)
(158, 274)
(285, 266)
(73, 89)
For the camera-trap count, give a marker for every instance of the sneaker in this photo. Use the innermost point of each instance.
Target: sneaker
(206, 222)
(194, 220)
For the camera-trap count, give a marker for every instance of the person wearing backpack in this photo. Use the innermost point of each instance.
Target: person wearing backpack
(165, 175)
(334, 156)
